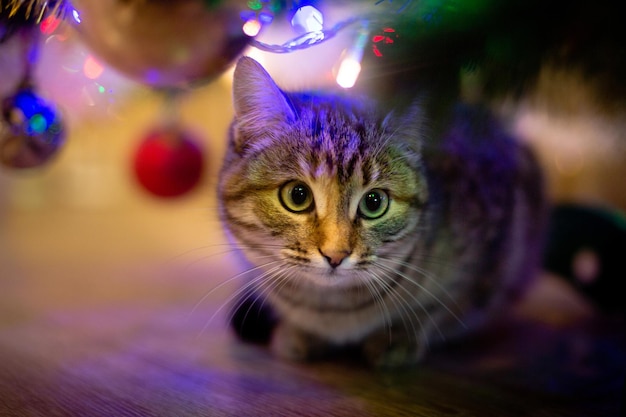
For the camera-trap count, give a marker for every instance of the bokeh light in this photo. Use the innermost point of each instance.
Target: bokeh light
(49, 25)
(348, 73)
(92, 68)
(252, 27)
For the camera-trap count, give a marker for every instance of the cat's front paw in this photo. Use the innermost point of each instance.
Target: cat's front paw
(382, 350)
(289, 342)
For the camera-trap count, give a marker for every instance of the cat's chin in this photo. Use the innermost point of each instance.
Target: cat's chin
(327, 277)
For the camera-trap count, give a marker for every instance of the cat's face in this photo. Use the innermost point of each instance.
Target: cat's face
(317, 187)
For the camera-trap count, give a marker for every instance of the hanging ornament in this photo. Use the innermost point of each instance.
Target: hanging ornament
(31, 131)
(169, 162)
(162, 43)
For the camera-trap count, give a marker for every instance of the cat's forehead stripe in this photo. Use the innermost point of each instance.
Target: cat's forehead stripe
(337, 149)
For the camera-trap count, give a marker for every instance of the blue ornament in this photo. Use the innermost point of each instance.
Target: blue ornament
(31, 130)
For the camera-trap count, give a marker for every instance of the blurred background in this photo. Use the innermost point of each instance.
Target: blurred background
(79, 226)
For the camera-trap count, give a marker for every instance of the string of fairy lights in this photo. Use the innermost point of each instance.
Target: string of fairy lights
(257, 14)
(305, 17)
(32, 130)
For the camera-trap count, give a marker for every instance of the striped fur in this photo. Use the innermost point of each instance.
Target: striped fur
(460, 234)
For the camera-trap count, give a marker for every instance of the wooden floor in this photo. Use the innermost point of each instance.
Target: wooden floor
(102, 314)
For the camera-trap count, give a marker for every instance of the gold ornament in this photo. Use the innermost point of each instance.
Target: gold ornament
(163, 43)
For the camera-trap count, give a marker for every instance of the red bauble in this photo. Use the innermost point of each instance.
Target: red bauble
(168, 162)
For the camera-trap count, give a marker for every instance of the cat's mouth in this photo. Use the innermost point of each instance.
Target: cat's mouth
(328, 276)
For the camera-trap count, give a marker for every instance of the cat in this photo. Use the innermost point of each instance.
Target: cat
(375, 230)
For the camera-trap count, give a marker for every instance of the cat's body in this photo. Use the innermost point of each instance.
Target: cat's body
(374, 231)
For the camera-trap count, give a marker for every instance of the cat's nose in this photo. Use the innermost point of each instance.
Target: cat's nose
(335, 257)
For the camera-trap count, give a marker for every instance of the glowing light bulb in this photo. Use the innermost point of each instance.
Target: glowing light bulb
(308, 19)
(76, 15)
(350, 66)
(252, 27)
(349, 71)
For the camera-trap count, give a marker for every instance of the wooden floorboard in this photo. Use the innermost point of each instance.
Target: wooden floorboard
(99, 328)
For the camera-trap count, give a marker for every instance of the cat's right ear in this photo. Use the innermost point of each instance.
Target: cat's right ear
(261, 108)
(409, 126)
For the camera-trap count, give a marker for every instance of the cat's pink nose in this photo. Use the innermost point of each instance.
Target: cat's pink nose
(335, 257)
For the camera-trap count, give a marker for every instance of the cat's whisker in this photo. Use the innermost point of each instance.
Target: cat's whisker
(227, 247)
(230, 247)
(291, 277)
(407, 307)
(191, 264)
(426, 274)
(426, 291)
(233, 248)
(400, 302)
(411, 309)
(230, 280)
(174, 259)
(242, 290)
(279, 282)
(376, 295)
(261, 288)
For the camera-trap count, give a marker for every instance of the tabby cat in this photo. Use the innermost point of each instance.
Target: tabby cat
(373, 231)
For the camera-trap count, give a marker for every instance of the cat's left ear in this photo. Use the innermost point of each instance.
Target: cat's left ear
(260, 106)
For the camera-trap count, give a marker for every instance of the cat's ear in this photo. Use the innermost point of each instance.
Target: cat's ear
(408, 125)
(260, 106)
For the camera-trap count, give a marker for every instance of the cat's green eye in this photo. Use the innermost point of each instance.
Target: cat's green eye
(296, 197)
(374, 204)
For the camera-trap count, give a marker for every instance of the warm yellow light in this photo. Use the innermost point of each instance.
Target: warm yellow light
(348, 72)
(252, 27)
